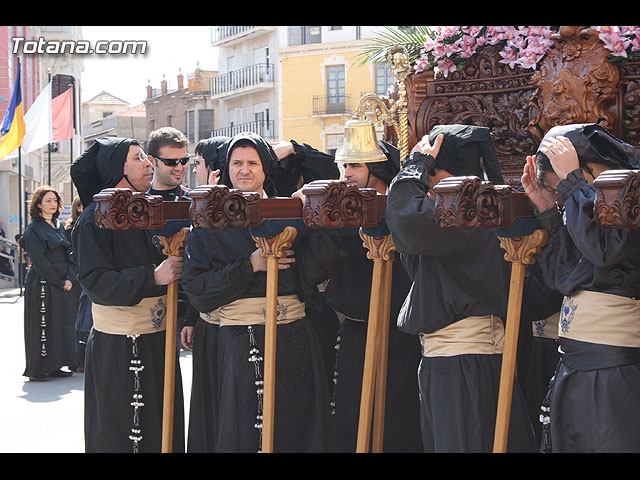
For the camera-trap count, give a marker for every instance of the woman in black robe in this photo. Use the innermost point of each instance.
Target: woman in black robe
(219, 271)
(594, 397)
(50, 303)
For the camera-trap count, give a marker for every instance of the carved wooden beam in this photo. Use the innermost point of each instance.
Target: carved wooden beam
(329, 204)
(468, 202)
(121, 208)
(618, 200)
(336, 204)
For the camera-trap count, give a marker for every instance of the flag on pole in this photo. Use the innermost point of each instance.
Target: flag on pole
(12, 130)
(49, 120)
(62, 116)
(38, 122)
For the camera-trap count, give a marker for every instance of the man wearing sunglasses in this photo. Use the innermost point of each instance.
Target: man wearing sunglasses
(167, 151)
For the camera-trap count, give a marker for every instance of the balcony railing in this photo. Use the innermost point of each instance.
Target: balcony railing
(332, 104)
(221, 32)
(266, 129)
(245, 77)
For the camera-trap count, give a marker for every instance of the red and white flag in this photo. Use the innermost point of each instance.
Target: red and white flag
(48, 120)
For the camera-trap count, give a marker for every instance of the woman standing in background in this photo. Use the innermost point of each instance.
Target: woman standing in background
(50, 302)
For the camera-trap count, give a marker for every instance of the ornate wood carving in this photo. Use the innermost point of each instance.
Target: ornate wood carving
(276, 246)
(378, 248)
(218, 206)
(575, 82)
(329, 204)
(618, 201)
(468, 202)
(173, 246)
(522, 249)
(336, 204)
(120, 208)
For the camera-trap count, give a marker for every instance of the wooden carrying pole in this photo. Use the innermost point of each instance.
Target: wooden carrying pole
(272, 248)
(383, 349)
(519, 251)
(380, 250)
(173, 246)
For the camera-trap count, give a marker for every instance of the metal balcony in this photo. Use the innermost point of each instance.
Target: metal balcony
(266, 129)
(332, 105)
(253, 76)
(222, 32)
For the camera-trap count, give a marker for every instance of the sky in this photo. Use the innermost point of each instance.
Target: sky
(169, 49)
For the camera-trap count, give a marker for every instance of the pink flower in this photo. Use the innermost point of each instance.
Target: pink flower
(446, 32)
(615, 43)
(607, 30)
(467, 46)
(529, 58)
(509, 56)
(421, 64)
(472, 31)
(430, 44)
(445, 67)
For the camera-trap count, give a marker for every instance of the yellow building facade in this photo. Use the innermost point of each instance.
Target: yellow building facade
(320, 87)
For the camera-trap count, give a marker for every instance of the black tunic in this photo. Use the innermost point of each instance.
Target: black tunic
(455, 274)
(339, 257)
(586, 416)
(115, 267)
(218, 271)
(52, 264)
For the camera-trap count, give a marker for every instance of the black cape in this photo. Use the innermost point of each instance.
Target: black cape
(52, 263)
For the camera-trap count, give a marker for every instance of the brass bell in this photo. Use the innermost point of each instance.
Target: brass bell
(360, 143)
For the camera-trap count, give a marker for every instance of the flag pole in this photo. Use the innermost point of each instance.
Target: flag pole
(49, 147)
(73, 101)
(20, 201)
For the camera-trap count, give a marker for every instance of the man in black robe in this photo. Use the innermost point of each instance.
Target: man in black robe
(458, 297)
(125, 276)
(225, 279)
(299, 164)
(339, 257)
(200, 336)
(594, 398)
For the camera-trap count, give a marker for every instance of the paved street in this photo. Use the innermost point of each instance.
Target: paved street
(42, 417)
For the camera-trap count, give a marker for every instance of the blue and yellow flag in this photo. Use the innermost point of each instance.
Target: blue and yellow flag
(13, 130)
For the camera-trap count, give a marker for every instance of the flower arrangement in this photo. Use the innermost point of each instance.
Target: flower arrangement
(449, 47)
(623, 42)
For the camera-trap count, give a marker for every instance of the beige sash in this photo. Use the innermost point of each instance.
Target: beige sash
(252, 311)
(547, 327)
(148, 316)
(471, 335)
(602, 318)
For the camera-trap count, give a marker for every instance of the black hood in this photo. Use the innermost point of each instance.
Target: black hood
(387, 170)
(214, 152)
(267, 157)
(100, 166)
(462, 149)
(594, 144)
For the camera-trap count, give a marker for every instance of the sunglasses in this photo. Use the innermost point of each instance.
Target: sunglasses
(172, 162)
